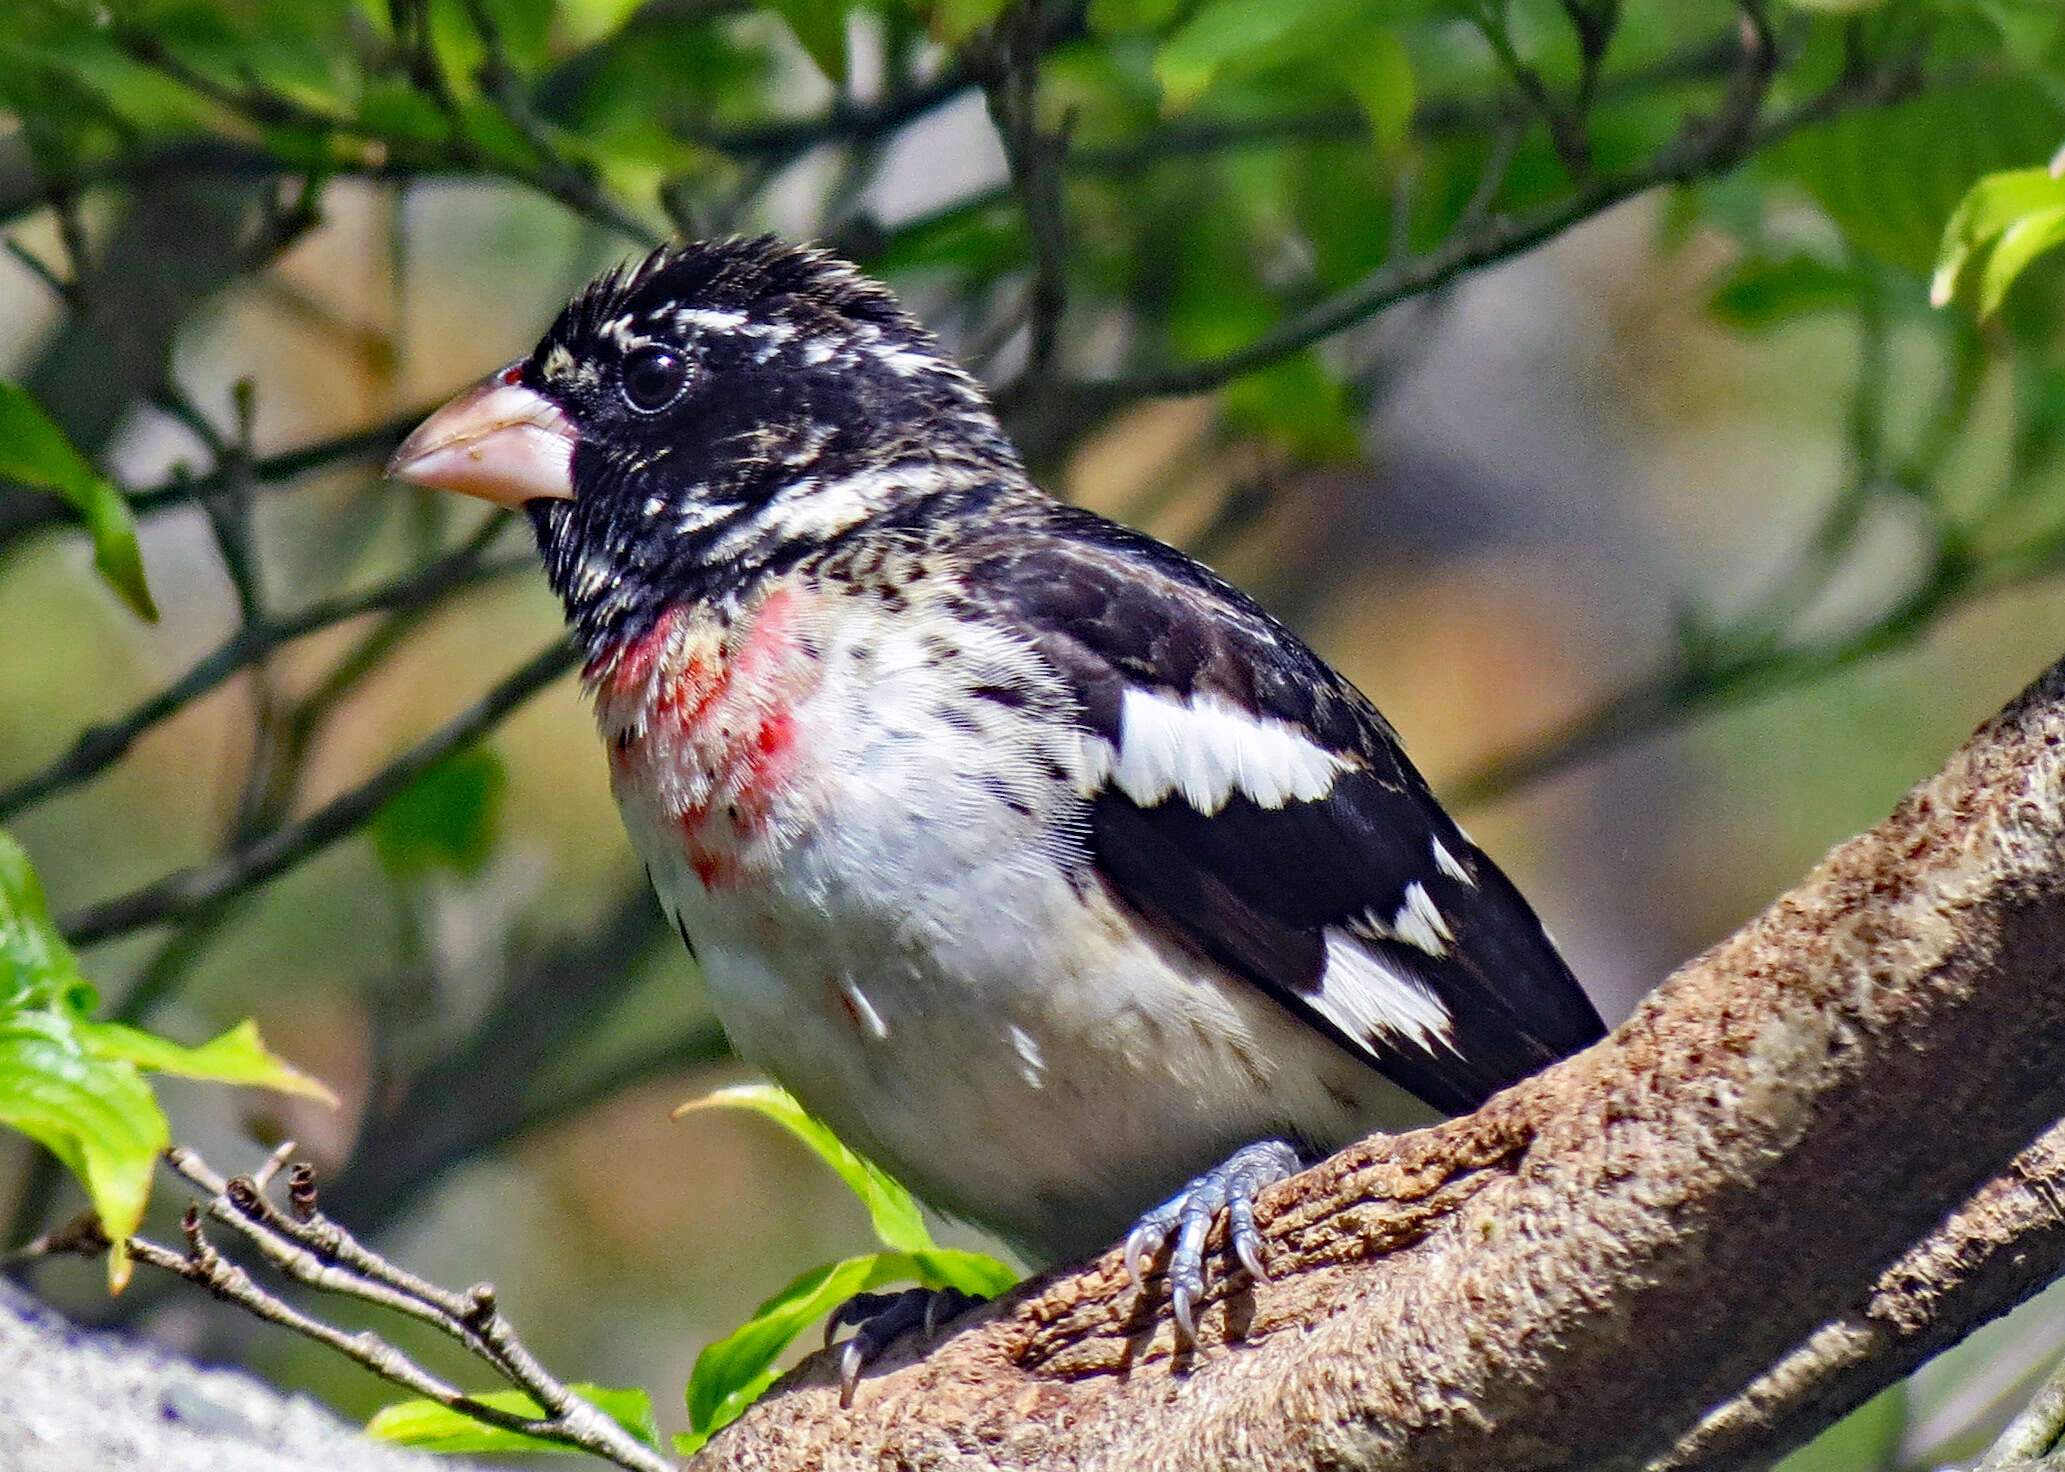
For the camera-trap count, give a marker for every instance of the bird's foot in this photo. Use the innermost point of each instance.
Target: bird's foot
(880, 1319)
(1188, 1216)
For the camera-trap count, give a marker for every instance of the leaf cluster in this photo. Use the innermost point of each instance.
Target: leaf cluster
(731, 1373)
(76, 1086)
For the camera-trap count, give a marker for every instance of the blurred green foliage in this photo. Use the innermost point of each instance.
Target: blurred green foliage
(35, 452)
(76, 1086)
(1217, 199)
(447, 819)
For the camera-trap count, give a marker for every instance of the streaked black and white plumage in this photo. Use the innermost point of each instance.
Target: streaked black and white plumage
(1044, 865)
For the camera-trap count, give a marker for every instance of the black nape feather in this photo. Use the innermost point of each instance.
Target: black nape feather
(811, 404)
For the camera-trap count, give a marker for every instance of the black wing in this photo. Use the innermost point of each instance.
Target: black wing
(1304, 853)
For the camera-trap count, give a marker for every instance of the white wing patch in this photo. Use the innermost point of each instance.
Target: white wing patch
(1448, 864)
(1365, 998)
(1208, 750)
(1419, 923)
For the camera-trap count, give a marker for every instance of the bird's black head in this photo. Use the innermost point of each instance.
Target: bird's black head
(707, 415)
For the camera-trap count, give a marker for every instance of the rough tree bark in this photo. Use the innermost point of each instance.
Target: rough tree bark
(1819, 1153)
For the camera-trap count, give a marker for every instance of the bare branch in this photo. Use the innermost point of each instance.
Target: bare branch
(99, 747)
(30, 512)
(272, 853)
(1705, 148)
(551, 175)
(1007, 62)
(310, 1249)
(1692, 1245)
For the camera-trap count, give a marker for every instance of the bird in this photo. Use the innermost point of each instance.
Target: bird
(1046, 867)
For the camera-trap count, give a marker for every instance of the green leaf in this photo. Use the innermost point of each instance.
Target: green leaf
(1297, 405)
(1221, 34)
(36, 966)
(1863, 1441)
(35, 452)
(1977, 228)
(730, 1374)
(1112, 17)
(428, 1426)
(820, 29)
(238, 1056)
(1764, 292)
(972, 1272)
(953, 21)
(893, 1211)
(1379, 75)
(2021, 243)
(1892, 178)
(96, 1115)
(447, 819)
(76, 1086)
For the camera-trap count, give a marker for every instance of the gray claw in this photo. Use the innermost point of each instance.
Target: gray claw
(880, 1319)
(1190, 1213)
(1143, 1244)
(853, 1358)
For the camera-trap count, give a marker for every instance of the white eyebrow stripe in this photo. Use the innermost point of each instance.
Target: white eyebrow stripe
(1208, 750)
(1369, 1000)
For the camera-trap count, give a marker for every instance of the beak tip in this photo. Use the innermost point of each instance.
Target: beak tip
(496, 440)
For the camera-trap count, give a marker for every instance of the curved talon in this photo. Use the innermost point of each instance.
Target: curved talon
(1245, 1240)
(852, 1360)
(880, 1319)
(1142, 1244)
(1190, 1213)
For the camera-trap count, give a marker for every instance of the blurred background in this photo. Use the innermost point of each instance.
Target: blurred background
(1565, 372)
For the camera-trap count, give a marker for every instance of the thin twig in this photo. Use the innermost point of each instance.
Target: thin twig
(29, 512)
(1566, 125)
(1708, 147)
(65, 291)
(271, 854)
(1007, 61)
(310, 1250)
(308, 1247)
(99, 747)
(845, 121)
(2034, 1432)
(458, 149)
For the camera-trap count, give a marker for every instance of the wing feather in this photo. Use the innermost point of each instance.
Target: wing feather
(1257, 808)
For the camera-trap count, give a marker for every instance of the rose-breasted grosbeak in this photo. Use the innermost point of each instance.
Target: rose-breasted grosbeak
(1043, 865)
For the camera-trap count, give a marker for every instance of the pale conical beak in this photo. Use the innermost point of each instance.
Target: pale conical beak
(498, 440)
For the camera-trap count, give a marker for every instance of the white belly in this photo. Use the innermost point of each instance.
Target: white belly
(913, 945)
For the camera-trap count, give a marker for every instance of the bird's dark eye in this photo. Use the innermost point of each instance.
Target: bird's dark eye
(652, 377)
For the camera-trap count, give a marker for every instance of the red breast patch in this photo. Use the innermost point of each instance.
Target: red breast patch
(723, 709)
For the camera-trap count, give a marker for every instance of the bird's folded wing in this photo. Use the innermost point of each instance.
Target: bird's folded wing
(1257, 808)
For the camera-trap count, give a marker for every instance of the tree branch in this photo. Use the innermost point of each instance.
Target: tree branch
(275, 851)
(1694, 1244)
(99, 747)
(1705, 148)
